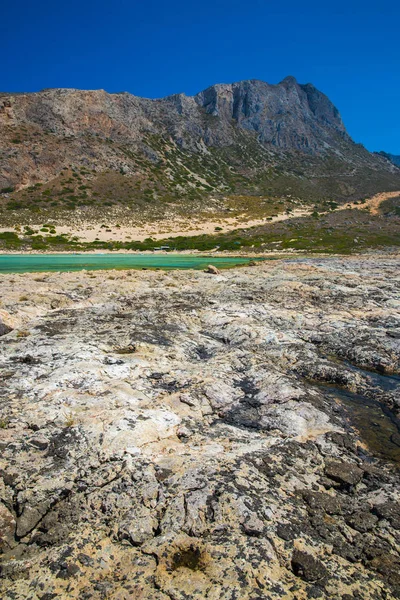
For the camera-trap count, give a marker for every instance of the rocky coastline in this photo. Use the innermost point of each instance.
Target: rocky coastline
(176, 435)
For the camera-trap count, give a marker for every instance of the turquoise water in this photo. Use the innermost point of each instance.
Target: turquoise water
(29, 263)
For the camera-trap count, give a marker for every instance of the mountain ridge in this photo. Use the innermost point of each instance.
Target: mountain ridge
(247, 105)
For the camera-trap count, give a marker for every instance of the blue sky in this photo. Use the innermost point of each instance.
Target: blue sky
(349, 50)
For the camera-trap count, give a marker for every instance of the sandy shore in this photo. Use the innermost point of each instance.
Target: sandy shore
(162, 230)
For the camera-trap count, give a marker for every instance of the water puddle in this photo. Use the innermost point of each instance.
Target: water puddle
(377, 425)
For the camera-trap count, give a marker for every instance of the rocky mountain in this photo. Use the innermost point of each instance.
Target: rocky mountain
(287, 115)
(64, 150)
(394, 158)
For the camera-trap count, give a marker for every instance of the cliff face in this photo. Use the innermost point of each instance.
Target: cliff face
(287, 115)
(248, 138)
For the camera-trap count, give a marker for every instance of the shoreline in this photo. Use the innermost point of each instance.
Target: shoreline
(274, 254)
(153, 253)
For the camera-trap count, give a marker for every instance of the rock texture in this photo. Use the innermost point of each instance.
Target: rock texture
(171, 435)
(248, 138)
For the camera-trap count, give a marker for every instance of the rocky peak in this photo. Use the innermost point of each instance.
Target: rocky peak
(289, 80)
(183, 104)
(288, 115)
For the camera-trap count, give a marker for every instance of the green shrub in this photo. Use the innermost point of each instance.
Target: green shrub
(9, 236)
(14, 205)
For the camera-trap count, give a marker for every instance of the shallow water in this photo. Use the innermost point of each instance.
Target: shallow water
(29, 263)
(377, 425)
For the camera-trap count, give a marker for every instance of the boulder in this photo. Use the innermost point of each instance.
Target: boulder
(211, 269)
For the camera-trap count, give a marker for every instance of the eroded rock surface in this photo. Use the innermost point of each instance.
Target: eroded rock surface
(171, 435)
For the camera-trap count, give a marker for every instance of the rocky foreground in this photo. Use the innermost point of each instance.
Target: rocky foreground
(182, 435)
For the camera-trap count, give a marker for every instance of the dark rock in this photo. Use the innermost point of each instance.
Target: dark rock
(287, 531)
(39, 442)
(62, 443)
(362, 521)
(4, 328)
(320, 501)
(351, 552)
(393, 334)
(344, 473)
(307, 567)
(70, 570)
(27, 360)
(7, 529)
(389, 511)
(85, 560)
(388, 566)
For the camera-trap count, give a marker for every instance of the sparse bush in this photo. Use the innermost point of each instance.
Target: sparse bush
(70, 420)
(14, 205)
(22, 333)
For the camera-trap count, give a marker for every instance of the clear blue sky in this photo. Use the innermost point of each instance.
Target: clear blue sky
(348, 49)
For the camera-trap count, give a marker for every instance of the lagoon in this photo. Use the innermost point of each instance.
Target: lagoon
(30, 263)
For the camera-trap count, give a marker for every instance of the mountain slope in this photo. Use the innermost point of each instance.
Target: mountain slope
(66, 152)
(394, 158)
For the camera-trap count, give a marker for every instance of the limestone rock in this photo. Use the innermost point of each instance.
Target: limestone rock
(137, 526)
(7, 529)
(219, 459)
(211, 269)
